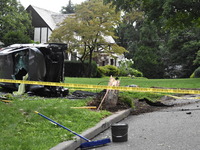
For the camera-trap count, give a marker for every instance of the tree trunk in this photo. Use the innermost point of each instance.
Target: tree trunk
(90, 64)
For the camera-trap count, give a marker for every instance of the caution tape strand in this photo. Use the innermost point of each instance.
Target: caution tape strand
(120, 88)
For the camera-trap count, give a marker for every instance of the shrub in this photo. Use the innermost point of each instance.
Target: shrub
(130, 71)
(14, 37)
(125, 67)
(78, 69)
(136, 73)
(192, 75)
(101, 71)
(123, 72)
(87, 69)
(197, 73)
(111, 70)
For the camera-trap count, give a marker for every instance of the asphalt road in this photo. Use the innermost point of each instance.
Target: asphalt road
(175, 128)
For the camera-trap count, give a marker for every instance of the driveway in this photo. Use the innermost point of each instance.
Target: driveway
(174, 128)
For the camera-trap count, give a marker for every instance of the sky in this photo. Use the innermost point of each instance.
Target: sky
(52, 5)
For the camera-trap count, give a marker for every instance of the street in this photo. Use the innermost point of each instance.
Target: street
(174, 128)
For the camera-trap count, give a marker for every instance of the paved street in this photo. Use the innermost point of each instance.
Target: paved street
(175, 128)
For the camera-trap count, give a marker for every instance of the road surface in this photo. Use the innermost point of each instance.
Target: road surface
(174, 128)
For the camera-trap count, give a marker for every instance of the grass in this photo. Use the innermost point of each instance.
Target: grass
(169, 83)
(141, 82)
(22, 129)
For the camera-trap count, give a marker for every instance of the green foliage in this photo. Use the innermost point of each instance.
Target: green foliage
(147, 56)
(111, 70)
(101, 71)
(136, 73)
(127, 99)
(87, 29)
(125, 65)
(13, 37)
(197, 73)
(78, 69)
(127, 5)
(21, 128)
(182, 47)
(108, 70)
(73, 69)
(148, 62)
(68, 9)
(90, 69)
(192, 75)
(197, 60)
(13, 18)
(174, 14)
(162, 37)
(125, 68)
(131, 96)
(181, 14)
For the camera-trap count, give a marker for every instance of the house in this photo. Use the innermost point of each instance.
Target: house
(45, 21)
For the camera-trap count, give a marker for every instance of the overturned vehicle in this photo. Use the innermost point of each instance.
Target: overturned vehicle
(40, 62)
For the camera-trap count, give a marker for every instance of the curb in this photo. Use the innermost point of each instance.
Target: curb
(94, 131)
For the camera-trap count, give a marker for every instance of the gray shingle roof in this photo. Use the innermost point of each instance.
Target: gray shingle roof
(51, 18)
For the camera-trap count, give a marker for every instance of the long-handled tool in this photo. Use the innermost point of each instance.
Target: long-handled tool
(83, 145)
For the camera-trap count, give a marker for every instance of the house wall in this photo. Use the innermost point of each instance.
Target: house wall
(105, 59)
(42, 34)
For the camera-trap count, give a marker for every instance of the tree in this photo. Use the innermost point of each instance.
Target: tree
(177, 23)
(128, 31)
(183, 46)
(69, 9)
(87, 30)
(15, 37)
(147, 56)
(125, 5)
(142, 39)
(175, 13)
(197, 60)
(13, 18)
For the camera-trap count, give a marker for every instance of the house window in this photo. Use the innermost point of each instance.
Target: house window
(42, 34)
(103, 63)
(37, 35)
(111, 61)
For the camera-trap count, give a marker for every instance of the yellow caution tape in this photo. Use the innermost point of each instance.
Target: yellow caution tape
(6, 101)
(176, 97)
(120, 88)
(85, 107)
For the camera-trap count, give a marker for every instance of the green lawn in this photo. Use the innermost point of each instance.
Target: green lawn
(141, 82)
(22, 129)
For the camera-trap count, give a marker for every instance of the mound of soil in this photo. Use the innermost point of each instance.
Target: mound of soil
(141, 105)
(98, 98)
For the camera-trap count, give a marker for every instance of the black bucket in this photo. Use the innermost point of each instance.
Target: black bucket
(119, 132)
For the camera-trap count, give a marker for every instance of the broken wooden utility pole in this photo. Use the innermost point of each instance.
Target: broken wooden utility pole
(110, 98)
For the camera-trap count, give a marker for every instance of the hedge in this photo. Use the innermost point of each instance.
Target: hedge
(79, 69)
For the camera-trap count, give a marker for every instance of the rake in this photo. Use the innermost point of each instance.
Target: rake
(87, 144)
